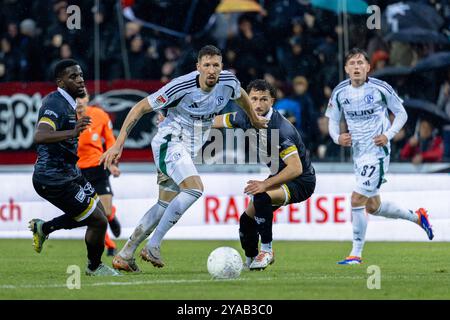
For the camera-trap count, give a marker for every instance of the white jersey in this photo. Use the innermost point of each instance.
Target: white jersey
(366, 112)
(190, 110)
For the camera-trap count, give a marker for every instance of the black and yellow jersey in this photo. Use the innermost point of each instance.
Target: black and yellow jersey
(57, 162)
(290, 141)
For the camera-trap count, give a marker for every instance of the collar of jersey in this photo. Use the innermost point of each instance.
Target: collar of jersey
(269, 114)
(67, 97)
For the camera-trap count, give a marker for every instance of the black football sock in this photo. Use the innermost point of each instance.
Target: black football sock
(58, 223)
(263, 216)
(95, 238)
(248, 235)
(95, 244)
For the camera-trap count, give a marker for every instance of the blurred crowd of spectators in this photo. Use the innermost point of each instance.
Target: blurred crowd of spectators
(290, 43)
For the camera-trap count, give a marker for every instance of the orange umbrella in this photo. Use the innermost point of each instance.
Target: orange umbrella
(228, 6)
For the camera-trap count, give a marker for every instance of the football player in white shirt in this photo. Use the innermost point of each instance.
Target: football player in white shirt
(192, 101)
(365, 101)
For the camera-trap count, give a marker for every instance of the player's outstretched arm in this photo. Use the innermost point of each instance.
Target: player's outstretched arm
(112, 155)
(47, 133)
(244, 102)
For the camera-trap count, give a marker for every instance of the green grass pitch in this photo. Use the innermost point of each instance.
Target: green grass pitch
(302, 270)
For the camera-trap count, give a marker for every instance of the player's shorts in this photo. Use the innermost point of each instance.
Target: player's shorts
(172, 159)
(99, 178)
(76, 198)
(298, 190)
(370, 175)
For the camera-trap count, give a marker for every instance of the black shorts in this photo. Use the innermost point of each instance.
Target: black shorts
(76, 198)
(99, 178)
(300, 190)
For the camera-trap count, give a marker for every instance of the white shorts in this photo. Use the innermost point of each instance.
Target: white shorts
(172, 158)
(370, 175)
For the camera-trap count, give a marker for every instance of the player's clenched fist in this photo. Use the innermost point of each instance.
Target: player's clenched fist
(380, 140)
(345, 139)
(81, 125)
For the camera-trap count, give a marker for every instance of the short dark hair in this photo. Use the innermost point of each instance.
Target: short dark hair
(209, 50)
(354, 52)
(61, 66)
(261, 85)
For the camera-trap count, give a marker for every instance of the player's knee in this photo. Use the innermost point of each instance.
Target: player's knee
(193, 182)
(99, 220)
(372, 207)
(358, 200)
(200, 185)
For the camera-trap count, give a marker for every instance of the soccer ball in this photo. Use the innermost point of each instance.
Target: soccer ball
(224, 263)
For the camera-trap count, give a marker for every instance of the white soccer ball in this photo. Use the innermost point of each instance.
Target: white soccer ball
(224, 263)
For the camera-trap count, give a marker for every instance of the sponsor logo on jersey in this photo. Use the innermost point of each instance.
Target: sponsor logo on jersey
(368, 98)
(360, 113)
(346, 101)
(367, 183)
(50, 113)
(204, 117)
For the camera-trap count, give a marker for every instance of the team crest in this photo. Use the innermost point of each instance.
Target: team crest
(368, 98)
(219, 100)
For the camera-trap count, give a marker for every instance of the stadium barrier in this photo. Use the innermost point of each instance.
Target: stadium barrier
(325, 216)
(20, 103)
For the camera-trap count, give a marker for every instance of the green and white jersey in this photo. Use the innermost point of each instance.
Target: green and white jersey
(365, 110)
(190, 110)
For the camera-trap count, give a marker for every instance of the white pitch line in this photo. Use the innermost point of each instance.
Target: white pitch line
(130, 283)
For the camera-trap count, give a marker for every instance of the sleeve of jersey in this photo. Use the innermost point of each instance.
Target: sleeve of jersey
(394, 101)
(170, 93)
(333, 111)
(239, 119)
(288, 148)
(228, 79)
(49, 117)
(395, 104)
(227, 120)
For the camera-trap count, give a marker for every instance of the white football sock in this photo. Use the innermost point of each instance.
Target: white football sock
(173, 213)
(391, 210)
(145, 227)
(267, 247)
(359, 223)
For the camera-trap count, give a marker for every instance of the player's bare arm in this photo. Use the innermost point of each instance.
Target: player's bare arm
(244, 102)
(218, 122)
(112, 155)
(292, 170)
(45, 133)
